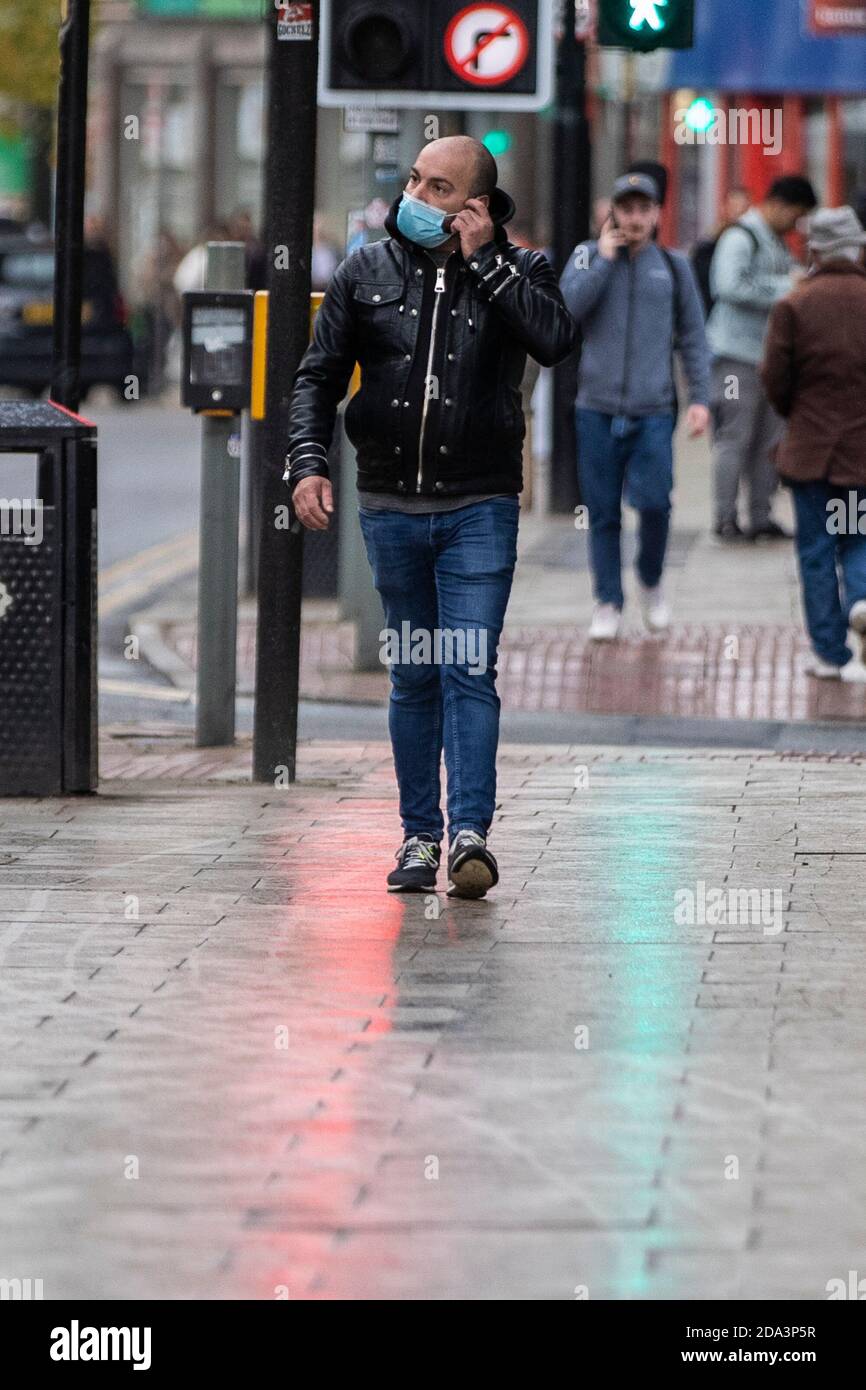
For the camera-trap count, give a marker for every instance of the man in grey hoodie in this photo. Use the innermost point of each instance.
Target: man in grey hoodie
(636, 304)
(751, 271)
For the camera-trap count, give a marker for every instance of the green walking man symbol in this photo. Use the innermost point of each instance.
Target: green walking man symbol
(647, 12)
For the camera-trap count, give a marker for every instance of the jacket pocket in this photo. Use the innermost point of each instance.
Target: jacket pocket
(376, 299)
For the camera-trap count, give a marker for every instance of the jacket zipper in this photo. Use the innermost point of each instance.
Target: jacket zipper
(628, 325)
(439, 291)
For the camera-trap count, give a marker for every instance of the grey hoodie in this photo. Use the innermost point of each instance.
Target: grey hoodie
(631, 320)
(747, 280)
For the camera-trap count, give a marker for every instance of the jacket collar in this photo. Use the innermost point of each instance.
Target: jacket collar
(837, 265)
(501, 211)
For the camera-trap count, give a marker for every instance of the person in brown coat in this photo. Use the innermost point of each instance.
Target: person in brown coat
(814, 372)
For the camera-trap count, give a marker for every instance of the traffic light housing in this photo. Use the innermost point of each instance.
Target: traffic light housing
(445, 54)
(644, 25)
(375, 45)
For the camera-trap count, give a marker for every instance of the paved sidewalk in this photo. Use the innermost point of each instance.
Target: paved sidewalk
(235, 1068)
(737, 651)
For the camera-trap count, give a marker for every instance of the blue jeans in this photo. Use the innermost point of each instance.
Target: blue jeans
(617, 454)
(445, 572)
(822, 555)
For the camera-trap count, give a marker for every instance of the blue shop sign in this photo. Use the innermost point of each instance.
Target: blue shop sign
(770, 46)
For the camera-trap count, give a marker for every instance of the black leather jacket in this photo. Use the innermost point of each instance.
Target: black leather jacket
(442, 355)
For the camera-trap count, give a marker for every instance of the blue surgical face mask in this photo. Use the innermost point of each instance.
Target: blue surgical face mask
(421, 223)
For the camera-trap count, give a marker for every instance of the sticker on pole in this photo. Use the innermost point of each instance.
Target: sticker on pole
(294, 21)
(487, 45)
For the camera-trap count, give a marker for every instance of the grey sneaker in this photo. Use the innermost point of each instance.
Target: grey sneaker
(472, 869)
(417, 866)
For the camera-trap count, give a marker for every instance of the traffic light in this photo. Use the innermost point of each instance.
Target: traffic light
(498, 142)
(495, 55)
(643, 25)
(700, 114)
(374, 46)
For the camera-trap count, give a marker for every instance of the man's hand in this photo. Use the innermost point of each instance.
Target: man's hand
(610, 240)
(313, 500)
(474, 226)
(697, 420)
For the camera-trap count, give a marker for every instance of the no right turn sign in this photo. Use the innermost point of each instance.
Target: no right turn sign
(487, 45)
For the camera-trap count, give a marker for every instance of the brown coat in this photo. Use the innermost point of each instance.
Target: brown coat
(814, 371)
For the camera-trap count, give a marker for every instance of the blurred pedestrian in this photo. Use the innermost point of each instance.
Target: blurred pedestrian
(814, 370)
(752, 269)
(240, 227)
(101, 254)
(190, 273)
(441, 314)
(325, 257)
(156, 308)
(636, 304)
(736, 205)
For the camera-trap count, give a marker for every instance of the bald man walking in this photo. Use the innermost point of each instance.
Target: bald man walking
(440, 315)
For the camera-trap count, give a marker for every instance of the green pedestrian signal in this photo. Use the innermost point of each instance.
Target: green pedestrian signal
(497, 142)
(643, 25)
(701, 114)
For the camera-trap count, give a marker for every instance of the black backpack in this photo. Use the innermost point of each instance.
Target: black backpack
(702, 260)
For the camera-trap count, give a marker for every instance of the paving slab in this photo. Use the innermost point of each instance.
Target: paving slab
(234, 1067)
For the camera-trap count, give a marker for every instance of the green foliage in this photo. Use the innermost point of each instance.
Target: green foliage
(29, 51)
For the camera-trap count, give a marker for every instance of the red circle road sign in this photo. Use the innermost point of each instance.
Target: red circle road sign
(486, 45)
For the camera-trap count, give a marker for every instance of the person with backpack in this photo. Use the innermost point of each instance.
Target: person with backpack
(752, 270)
(737, 203)
(636, 304)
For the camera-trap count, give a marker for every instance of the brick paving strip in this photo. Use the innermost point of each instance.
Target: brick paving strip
(690, 673)
(235, 1068)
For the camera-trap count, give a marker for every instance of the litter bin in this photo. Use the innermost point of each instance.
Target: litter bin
(48, 635)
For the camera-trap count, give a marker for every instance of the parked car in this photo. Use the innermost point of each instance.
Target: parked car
(27, 313)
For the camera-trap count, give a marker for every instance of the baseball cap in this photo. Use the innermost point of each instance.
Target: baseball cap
(635, 183)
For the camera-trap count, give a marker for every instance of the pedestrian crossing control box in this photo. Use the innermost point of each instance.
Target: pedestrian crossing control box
(217, 350)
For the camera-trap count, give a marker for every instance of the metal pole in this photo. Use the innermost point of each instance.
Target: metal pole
(69, 203)
(252, 450)
(290, 167)
(218, 541)
(572, 161)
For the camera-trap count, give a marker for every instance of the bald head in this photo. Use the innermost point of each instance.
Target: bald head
(482, 165)
(462, 162)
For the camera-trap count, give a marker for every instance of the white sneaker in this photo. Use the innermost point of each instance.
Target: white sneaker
(654, 607)
(857, 622)
(605, 623)
(823, 670)
(854, 672)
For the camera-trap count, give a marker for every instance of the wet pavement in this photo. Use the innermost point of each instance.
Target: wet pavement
(737, 649)
(236, 1068)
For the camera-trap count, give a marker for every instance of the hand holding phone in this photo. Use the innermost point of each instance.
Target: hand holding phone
(611, 240)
